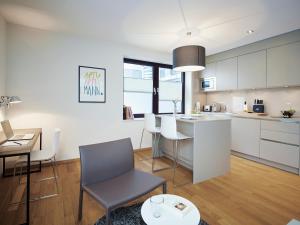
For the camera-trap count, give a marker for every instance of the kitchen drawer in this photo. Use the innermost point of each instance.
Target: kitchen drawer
(280, 126)
(280, 153)
(288, 138)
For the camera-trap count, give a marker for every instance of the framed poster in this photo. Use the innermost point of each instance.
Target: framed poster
(92, 84)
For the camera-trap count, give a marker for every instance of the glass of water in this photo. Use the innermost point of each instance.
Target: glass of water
(156, 203)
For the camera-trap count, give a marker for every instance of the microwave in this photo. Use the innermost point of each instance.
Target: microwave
(208, 84)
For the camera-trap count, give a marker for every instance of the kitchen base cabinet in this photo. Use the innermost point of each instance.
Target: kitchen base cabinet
(245, 136)
(280, 137)
(273, 143)
(267, 162)
(280, 153)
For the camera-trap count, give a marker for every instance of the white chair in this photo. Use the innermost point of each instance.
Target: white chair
(44, 156)
(150, 126)
(169, 131)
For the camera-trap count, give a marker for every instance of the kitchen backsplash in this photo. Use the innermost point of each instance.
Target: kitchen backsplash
(275, 99)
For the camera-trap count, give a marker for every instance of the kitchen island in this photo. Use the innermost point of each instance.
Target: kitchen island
(207, 153)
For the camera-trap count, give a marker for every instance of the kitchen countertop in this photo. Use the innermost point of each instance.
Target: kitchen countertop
(199, 118)
(252, 116)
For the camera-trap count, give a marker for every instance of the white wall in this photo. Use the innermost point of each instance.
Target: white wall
(43, 71)
(2, 73)
(2, 62)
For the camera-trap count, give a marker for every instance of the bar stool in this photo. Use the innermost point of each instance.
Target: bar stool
(44, 156)
(150, 126)
(169, 131)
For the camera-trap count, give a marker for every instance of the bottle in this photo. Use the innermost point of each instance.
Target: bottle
(197, 107)
(245, 107)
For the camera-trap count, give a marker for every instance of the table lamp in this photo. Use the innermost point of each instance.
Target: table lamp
(7, 100)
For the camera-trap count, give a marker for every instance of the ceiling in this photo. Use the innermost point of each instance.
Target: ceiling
(158, 24)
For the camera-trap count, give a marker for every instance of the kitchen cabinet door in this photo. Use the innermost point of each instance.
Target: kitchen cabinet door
(226, 74)
(252, 70)
(209, 71)
(283, 65)
(245, 136)
(280, 153)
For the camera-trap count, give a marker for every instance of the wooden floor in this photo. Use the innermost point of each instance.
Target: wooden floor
(251, 194)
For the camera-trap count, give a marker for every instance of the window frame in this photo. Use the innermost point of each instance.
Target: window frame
(155, 85)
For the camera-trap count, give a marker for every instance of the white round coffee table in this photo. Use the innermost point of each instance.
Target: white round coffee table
(168, 217)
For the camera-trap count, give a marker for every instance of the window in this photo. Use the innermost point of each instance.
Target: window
(152, 87)
(138, 87)
(170, 89)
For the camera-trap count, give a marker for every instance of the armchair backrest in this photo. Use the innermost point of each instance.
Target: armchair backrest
(103, 161)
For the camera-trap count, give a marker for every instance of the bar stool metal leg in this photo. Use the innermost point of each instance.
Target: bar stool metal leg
(140, 149)
(154, 152)
(176, 150)
(55, 176)
(174, 161)
(142, 139)
(157, 154)
(49, 178)
(20, 174)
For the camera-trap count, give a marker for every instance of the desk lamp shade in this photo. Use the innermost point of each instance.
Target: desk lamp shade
(14, 99)
(189, 58)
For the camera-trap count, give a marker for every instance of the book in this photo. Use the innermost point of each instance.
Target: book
(15, 143)
(177, 207)
(127, 113)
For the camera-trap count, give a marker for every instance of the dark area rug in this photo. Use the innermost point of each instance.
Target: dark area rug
(130, 215)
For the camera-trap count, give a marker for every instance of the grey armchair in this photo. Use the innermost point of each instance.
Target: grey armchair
(109, 176)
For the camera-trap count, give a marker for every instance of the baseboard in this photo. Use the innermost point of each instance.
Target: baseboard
(66, 161)
(266, 162)
(143, 149)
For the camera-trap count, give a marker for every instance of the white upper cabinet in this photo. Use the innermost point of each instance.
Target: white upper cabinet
(209, 71)
(283, 65)
(252, 70)
(226, 74)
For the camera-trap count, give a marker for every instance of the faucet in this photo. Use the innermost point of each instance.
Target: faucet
(175, 101)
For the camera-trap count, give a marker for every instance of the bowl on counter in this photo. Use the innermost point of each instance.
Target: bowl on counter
(288, 113)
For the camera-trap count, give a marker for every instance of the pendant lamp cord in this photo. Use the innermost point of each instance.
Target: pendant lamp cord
(183, 15)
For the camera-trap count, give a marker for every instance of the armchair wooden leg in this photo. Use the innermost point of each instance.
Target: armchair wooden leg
(108, 219)
(165, 188)
(80, 204)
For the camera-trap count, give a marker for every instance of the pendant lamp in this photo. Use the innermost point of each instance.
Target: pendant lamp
(189, 58)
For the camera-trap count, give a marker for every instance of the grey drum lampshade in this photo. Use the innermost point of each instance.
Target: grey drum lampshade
(189, 58)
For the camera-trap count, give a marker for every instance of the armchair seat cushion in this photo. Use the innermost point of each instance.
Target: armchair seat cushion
(124, 188)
